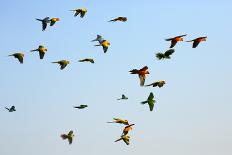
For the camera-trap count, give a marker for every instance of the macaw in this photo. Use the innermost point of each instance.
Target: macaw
(142, 74)
(87, 60)
(157, 83)
(174, 40)
(123, 97)
(165, 55)
(42, 50)
(44, 21)
(127, 129)
(121, 19)
(82, 106)
(125, 138)
(62, 63)
(197, 41)
(105, 44)
(120, 121)
(19, 56)
(68, 136)
(53, 21)
(99, 39)
(150, 100)
(81, 11)
(11, 109)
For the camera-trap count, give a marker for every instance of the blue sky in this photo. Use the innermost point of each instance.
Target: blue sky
(192, 114)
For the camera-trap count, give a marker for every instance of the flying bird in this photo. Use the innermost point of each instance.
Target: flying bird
(197, 41)
(165, 55)
(150, 100)
(82, 106)
(81, 11)
(87, 60)
(105, 45)
(142, 74)
(157, 83)
(174, 40)
(44, 21)
(19, 56)
(11, 109)
(125, 138)
(127, 129)
(68, 136)
(121, 19)
(123, 97)
(53, 21)
(120, 121)
(99, 39)
(42, 50)
(62, 63)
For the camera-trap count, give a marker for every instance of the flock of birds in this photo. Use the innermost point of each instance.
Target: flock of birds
(142, 73)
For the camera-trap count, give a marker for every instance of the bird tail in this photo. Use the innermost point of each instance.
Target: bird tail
(133, 71)
(55, 62)
(110, 122)
(97, 45)
(189, 41)
(39, 19)
(144, 102)
(10, 55)
(7, 108)
(169, 39)
(118, 140)
(111, 20)
(80, 61)
(33, 50)
(148, 85)
(64, 136)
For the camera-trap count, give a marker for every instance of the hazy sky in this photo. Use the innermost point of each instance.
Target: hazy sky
(192, 114)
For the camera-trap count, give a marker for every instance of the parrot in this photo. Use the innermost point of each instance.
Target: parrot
(157, 83)
(99, 39)
(142, 74)
(82, 106)
(123, 97)
(105, 44)
(120, 121)
(62, 63)
(121, 19)
(53, 21)
(165, 55)
(125, 138)
(175, 40)
(44, 21)
(11, 109)
(68, 136)
(42, 50)
(87, 60)
(81, 11)
(127, 129)
(197, 41)
(150, 100)
(19, 56)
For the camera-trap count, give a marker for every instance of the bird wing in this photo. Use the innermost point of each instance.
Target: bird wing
(118, 140)
(127, 141)
(70, 133)
(142, 79)
(62, 66)
(20, 58)
(144, 68)
(77, 13)
(64, 136)
(195, 43)
(70, 139)
(52, 22)
(181, 36)
(44, 25)
(105, 48)
(150, 97)
(169, 52)
(173, 43)
(82, 14)
(151, 104)
(41, 55)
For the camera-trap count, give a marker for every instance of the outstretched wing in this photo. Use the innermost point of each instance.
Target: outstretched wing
(169, 52)
(127, 141)
(151, 104)
(41, 55)
(150, 97)
(142, 79)
(144, 68)
(20, 58)
(159, 56)
(195, 43)
(173, 43)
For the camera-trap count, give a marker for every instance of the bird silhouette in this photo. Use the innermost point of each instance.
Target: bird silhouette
(68, 136)
(42, 50)
(82, 106)
(165, 55)
(81, 11)
(19, 56)
(62, 63)
(174, 40)
(121, 19)
(150, 100)
(141, 73)
(44, 21)
(125, 138)
(11, 109)
(123, 97)
(157, 83)
(197, 41)
(120, 121)
(87, 60)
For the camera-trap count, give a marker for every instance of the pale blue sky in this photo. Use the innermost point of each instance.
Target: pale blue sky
(193, 110)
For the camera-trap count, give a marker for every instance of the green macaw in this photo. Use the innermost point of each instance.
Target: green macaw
(120, 121)
(68, 136)
(19, 56)
(123, 97)
(11, 109)
(62, 63)
(42, 50)
(82, 106)
(44, 21)
(87, 60)
(150, 100)
(125, 138)
(165, 55)
(157, 83)
(81, 11)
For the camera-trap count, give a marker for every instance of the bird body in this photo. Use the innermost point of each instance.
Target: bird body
(68, 136)
(105, 45)
(157, 83)
(127, 129)
(42, 50)
(123, 97)
(82, 106)
(121, 19)
(125, 138)
(53, 21)
(165, 55)
(87, 60)
(120, 121)
(176, 39)
(11, 109)
(197, 41)
(141, 73)
(62, 63)
(150, 100)
(19, 56)
(81, 11)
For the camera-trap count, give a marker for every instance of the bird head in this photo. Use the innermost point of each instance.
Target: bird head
(68, 62)
(126, 122)
(147, 72)
(204, 38)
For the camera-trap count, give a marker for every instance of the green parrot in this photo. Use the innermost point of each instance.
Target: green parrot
(62, 63)
(157, 83)
(150, 100)
(44, 21)
(11, 109)
(68, 136)
(42, 50)
(87, 60)
(81, 11)
(123, 97)
(165, 55)
(120, 121)
(82, 106)
(19, 56)
(125, 138)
